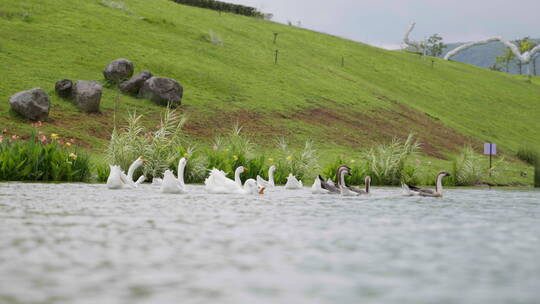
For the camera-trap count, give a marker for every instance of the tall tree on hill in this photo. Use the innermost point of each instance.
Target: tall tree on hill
(505, 59)
(435, 45)
(524, 45)
(534, 63)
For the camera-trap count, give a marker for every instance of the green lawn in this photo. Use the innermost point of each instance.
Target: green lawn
(377, 95)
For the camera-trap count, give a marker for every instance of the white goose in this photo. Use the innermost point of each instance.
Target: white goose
(218, 183)
(409, 190)
(270, 183)
(118, 179)
(293, 183)
(171, 184)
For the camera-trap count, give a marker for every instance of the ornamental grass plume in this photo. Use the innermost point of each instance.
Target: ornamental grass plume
(386, 162)
(302, 163)
(160, 147)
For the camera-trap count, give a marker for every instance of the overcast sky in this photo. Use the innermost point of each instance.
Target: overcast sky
(383, 22)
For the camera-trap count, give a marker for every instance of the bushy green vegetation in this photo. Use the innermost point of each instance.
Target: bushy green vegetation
(164, 147)
(385, 164)
(42, 159)
(160, 147)
(528, 155)
(470, 168)
(223, 7)
(307, 96)
(467, 169)
(537, 175)
(240, 77)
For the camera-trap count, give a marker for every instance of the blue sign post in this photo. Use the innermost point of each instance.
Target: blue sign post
(490, 149)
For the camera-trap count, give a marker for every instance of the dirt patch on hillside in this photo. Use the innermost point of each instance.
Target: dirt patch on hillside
(213, 123)
(359, 129)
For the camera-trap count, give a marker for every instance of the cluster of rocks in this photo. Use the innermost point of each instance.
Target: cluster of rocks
(34, 104)
(163, 91)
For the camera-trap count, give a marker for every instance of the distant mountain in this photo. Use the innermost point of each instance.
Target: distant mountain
(484, 56)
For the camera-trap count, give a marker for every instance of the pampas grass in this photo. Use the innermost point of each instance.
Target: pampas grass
(159, 147)
(386, 162)
(467, 168)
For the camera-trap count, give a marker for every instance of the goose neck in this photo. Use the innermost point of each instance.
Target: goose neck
(439, 187)
(237, 176)
(181, 169)
(342, 178)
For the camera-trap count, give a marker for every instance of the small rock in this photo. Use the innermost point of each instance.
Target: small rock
(133, 85)
(163, 91)
(87, 95)
(33, 104)
(118, 70)
(63, 88)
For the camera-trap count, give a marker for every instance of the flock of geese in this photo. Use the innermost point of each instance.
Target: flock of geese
(218, 182)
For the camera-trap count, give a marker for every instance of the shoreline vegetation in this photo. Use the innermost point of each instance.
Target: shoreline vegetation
(341, 93)
(52, 158)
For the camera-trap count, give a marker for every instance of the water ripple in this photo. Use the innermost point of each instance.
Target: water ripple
(78, 243)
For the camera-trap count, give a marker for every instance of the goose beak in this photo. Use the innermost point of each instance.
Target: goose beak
(261, 190)
(245, 169)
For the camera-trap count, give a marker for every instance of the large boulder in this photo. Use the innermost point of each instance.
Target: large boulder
(87, 95)
(162, 91)
(63, 88)
(118, 70)
(133, 85)
(33, 104)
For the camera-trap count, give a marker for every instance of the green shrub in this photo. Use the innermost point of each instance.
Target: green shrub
(528, 155)
(31, 160)
(301, 163)
(386, 162)
(537, 175)
(160, 147)
(467, 168)
(223, 7)
(102, 172)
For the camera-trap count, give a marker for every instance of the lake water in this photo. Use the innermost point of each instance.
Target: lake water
(78, 243)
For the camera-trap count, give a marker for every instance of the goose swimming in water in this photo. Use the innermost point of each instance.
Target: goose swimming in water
(293, 183)
(343, 188)
(317, 187)
(218, 183)
(328, 185)
(410, 190)
(118, 179)
(270, 183)
(342, 184)
(172, 184)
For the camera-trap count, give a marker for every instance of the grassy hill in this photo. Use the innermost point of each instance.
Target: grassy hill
(226, 65)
